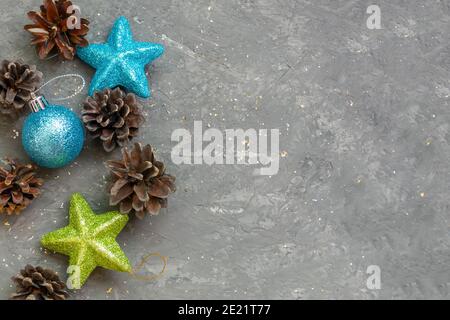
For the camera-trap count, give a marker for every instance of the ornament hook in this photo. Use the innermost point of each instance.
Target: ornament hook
(69, 75)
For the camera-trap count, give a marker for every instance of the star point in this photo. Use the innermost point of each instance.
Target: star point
(120, 61)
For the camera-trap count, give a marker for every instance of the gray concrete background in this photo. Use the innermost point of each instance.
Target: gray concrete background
(364, 119)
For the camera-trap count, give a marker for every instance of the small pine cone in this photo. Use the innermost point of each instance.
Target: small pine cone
(140, 182)
(113, 116)
(38, 284)
(56, 28)
(18, 187)
(17, 82)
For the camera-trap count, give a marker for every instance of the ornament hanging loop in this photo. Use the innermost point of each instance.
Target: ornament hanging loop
(69, 75)
(134, 272)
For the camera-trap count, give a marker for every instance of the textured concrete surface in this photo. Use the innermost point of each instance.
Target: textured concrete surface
(364, 178)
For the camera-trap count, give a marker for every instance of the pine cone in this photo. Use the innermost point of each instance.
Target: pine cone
(38, 284)
(17, 82)
(140, 182)
(18, 187)
(56, 28)
(113, 116)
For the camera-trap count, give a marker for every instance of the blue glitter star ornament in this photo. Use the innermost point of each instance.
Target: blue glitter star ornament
(120, 61)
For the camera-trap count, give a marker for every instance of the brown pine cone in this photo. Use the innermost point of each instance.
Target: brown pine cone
(140, 182)
(55, 28)
(39, 284)
(113, 116)
(18, 187)
(17, 82)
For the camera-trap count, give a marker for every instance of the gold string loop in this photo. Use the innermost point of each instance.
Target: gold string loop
(134, 272)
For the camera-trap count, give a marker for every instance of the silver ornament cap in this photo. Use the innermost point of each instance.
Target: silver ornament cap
(37, 103)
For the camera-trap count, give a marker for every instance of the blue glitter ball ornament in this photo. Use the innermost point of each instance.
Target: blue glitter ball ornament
(52, 136)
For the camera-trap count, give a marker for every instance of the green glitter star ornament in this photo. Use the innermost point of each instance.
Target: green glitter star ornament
(89, 240)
